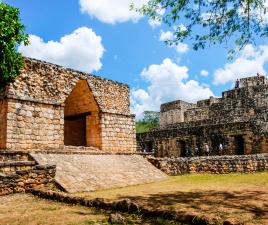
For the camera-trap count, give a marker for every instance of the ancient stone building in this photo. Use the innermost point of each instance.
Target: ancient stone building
(238, 120)
(49, 106)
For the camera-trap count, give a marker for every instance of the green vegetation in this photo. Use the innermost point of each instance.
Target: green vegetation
(11, 35)
(205, 22)
(150, 121)
(142, 127)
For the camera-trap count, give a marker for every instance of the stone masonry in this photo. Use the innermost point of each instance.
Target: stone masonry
(212, 164)
(238, 120)
(19, 173)
(49, 106)
(79, 173)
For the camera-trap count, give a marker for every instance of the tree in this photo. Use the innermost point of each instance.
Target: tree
(150, 120)
(233, 21)
(11, 35)
(151, 117)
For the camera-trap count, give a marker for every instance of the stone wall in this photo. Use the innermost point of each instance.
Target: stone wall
(118, 133)
(33, 125)
(173, 112)
(212, 164)
(3, 123)
(46, 82)
(238, 120)
(22, 181)
(47, 97)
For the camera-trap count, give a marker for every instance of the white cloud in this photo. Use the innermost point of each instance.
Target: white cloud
(154, 23)
(250, 61)
(167, 81)
(204, 73)
(158, 21)
(181, 48)
(167, 36)
(109, 11)
(81, 50)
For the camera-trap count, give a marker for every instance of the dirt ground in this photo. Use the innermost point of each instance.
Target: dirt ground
(24, 209)
(243, 197)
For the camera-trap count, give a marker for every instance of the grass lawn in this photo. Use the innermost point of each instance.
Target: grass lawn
(24, 209)
(240, 196)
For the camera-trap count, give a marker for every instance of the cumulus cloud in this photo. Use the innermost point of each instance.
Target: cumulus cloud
(112, 12)
(167, 36)
(181, 47)
(166, 82)
(204, 73)
(154, 23)
(250, 61)
(81, 50)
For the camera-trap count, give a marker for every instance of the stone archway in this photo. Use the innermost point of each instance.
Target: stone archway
(82, 117)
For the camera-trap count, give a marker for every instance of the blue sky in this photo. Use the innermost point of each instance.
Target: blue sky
(102, 37)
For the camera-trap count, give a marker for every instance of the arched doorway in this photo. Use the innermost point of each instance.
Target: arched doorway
(81, 117)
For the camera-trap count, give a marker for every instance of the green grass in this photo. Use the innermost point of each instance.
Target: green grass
(142, 127)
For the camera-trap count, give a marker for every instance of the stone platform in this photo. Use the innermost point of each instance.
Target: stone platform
(80, 173)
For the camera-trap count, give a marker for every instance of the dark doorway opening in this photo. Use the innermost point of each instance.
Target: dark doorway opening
(149, 146)
(75, 130)
(182, 148)
(239, 145)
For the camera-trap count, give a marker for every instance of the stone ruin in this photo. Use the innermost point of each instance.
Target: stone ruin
(238, 120)
(80, 123)
(49, 107)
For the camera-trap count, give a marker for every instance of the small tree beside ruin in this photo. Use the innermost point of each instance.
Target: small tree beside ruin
(12, 33)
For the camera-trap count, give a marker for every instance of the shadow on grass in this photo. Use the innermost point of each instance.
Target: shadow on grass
(212, 202)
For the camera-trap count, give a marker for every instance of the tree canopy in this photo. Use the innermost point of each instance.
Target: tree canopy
(11, 35)
(231, 21)
(149, 121)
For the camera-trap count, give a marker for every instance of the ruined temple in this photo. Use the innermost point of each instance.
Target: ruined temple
(67, 128)
(238, 120)
(49, 107)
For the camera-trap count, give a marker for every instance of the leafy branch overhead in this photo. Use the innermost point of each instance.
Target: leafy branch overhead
(11, 35)
(211, 21)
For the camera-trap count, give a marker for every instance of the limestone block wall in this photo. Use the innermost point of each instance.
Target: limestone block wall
(53, 83)
(171, 116)
(196, 114)
(3, 123)
(214, 164)
(173, 112)
(33, 125)
(22, 181)
(93, 130)
(45, 96)
(253, 81)
(118, 133)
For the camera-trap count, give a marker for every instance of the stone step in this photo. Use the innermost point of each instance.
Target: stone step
(81, 173)
(13, 166)
(14, 155)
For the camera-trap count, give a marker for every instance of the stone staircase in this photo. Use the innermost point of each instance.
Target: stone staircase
(12, 161)
(19, 172)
